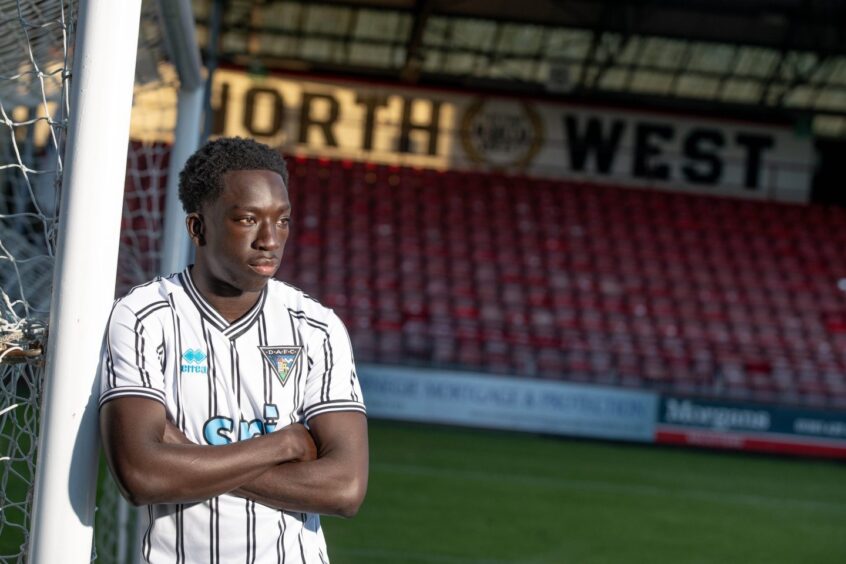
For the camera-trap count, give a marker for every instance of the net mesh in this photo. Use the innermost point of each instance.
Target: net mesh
(153, 124)
(34, 66)
(36, 51)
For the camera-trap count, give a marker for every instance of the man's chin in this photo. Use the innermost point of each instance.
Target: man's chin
(246, 284)
(255, 284)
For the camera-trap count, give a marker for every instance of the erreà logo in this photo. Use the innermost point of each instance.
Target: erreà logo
(281, 359)
(193, 361)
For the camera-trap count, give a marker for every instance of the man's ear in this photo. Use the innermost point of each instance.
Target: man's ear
(196, 229)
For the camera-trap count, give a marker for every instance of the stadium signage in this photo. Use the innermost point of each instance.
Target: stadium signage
(524, 404)
(721, 424)
(501, 134)
(660, 151)
(452, 130)
(686, 412)
(519, 404)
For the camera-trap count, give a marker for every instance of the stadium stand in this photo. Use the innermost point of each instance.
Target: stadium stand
(583, 282)
(510, 273)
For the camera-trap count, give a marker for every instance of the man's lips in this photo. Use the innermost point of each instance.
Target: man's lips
(265, 267)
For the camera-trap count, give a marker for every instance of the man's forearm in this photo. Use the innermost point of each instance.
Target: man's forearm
(185, 474)
(150, 468)
(320, 486)
(334, 484)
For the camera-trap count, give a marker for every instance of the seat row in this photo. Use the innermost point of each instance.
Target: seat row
(557, 279)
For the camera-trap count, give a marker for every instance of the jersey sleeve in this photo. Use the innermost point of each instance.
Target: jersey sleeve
(332, 383)
(130, 362)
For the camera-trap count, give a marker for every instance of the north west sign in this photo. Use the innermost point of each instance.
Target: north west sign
(438, 129)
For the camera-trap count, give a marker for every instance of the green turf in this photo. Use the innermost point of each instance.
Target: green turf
(457, 496)
(462, 496)
(18, 429)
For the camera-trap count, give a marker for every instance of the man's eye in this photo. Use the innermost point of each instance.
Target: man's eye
(247, 220)
(285, 221)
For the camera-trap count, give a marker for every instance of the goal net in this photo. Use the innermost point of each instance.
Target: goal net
(34, 66)
(36, 52)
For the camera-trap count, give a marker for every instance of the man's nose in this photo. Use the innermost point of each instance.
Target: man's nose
(268, 237)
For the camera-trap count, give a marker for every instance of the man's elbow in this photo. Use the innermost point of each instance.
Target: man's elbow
(351, 498)
(135, 494)
(349, 509)
(138, 487)
(137, 498)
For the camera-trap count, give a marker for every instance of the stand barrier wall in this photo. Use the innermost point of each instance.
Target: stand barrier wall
(580, 410)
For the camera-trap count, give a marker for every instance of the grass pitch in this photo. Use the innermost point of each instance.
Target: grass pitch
(457, 496)
(446, 495)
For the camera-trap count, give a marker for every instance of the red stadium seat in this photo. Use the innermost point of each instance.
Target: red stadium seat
(578, 281)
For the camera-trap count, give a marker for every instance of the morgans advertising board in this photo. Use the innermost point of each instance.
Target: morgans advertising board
(753, 427)
(451, 130)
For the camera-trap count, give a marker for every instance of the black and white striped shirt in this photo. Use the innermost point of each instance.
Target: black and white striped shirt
(286, 360)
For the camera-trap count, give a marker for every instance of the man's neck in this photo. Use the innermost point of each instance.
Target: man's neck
(228, 301)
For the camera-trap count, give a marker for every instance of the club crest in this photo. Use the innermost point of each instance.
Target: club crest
(281, 359)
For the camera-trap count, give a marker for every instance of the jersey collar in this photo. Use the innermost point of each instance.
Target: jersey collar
(230, 330)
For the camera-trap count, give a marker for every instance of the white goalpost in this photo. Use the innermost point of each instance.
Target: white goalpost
(64, 132)
(83, 279)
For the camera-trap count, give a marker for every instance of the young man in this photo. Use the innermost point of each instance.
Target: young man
(196, 363)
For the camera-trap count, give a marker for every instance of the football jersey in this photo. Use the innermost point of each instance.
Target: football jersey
(286, 360)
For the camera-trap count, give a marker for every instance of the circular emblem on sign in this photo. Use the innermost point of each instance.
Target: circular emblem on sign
(502, 134)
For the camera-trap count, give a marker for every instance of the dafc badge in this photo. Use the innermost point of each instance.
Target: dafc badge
(281, 359)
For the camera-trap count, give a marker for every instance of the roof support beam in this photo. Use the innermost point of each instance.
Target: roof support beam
(801, 76)
(413, 53)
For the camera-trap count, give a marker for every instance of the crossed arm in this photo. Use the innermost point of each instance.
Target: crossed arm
(153, 462)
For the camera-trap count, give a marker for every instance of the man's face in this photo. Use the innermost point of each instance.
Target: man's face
(245, 229)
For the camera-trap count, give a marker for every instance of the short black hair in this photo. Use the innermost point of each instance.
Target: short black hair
(201, 180)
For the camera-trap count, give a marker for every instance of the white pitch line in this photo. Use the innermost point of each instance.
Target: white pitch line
(608, 487)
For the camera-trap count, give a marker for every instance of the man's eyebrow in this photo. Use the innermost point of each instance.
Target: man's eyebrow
(237, 207)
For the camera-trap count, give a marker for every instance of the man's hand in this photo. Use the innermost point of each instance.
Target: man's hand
(333, 484)
(301, 442)
(294, 437)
